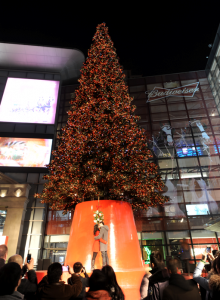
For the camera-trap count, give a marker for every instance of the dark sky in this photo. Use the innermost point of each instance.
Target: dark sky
(151, 37)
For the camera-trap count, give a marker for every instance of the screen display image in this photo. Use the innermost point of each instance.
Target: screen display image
(29, 101)
(197, 209)
(24, 152)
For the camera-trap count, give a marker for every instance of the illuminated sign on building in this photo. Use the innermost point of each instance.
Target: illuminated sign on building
(148, 252)
(183, 91)
(24, 152)
(29, 101)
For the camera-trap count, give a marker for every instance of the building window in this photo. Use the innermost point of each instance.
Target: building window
(3, 214)
(55, 247)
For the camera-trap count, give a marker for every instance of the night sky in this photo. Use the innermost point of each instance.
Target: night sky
(151, 38)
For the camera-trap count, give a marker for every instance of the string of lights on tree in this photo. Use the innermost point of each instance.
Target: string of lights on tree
(102, 151)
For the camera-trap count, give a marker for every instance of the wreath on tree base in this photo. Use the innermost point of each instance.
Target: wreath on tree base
(98, 217)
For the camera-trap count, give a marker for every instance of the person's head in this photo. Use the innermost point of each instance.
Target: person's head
(54, 273)
(173, 265)
(216, 265)
(101, 224)
(97, 281)
(110, 274)
(215, 253)
(111, 280)
(156, 260)
(3, 251)
(10, 278)
(77, 267)
(17, 259)
(184, 244)
(96, 228)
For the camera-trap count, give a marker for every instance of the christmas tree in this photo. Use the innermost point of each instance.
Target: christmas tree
(102, 151)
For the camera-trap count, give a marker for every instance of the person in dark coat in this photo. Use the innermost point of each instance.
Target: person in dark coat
(10, 278)
(3, 255)
(113, 288)
(179, 288)
(51, 286)
(98, 287)
(214, 285)
(79, 270)
(157, 264)
(185, 255)
(28, 286)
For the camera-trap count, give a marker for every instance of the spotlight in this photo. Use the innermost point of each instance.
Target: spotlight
(18, 193)
(3, 193)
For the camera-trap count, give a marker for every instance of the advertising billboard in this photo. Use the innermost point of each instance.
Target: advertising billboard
(197, 209)
(29, 101)
(24, 152)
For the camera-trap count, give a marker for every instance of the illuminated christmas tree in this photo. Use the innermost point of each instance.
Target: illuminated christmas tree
(102, 151)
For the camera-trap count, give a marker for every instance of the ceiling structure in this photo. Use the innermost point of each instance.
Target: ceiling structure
(67, 62)
(213, 225)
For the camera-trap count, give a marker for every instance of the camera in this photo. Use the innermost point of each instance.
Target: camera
(28, 258)
(65, 268)
(208, 249)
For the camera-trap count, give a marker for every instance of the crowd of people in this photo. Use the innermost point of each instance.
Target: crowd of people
(19, 281)
(167, 283)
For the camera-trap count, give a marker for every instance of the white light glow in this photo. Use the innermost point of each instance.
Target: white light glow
(29, 101)
(198, 251)
(87, 265)
(18, 193)
(197, 209)
(112, 240)
(3, 193)
(185, 150)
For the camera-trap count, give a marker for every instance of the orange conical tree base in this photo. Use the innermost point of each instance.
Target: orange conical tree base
(123, 245)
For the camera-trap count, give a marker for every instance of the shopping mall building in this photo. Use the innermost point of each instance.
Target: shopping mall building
(180, 113)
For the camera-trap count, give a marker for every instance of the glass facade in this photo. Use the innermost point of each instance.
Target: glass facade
(55, 247)
(34, 221)
(33, 225)
(58, 225)
(184, 136)
(213, 70)
(57, 235)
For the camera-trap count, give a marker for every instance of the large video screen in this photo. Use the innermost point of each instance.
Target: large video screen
(197, 209)
(29, 101)
(24, 152)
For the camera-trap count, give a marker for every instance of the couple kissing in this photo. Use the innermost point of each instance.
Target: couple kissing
(100, 243)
